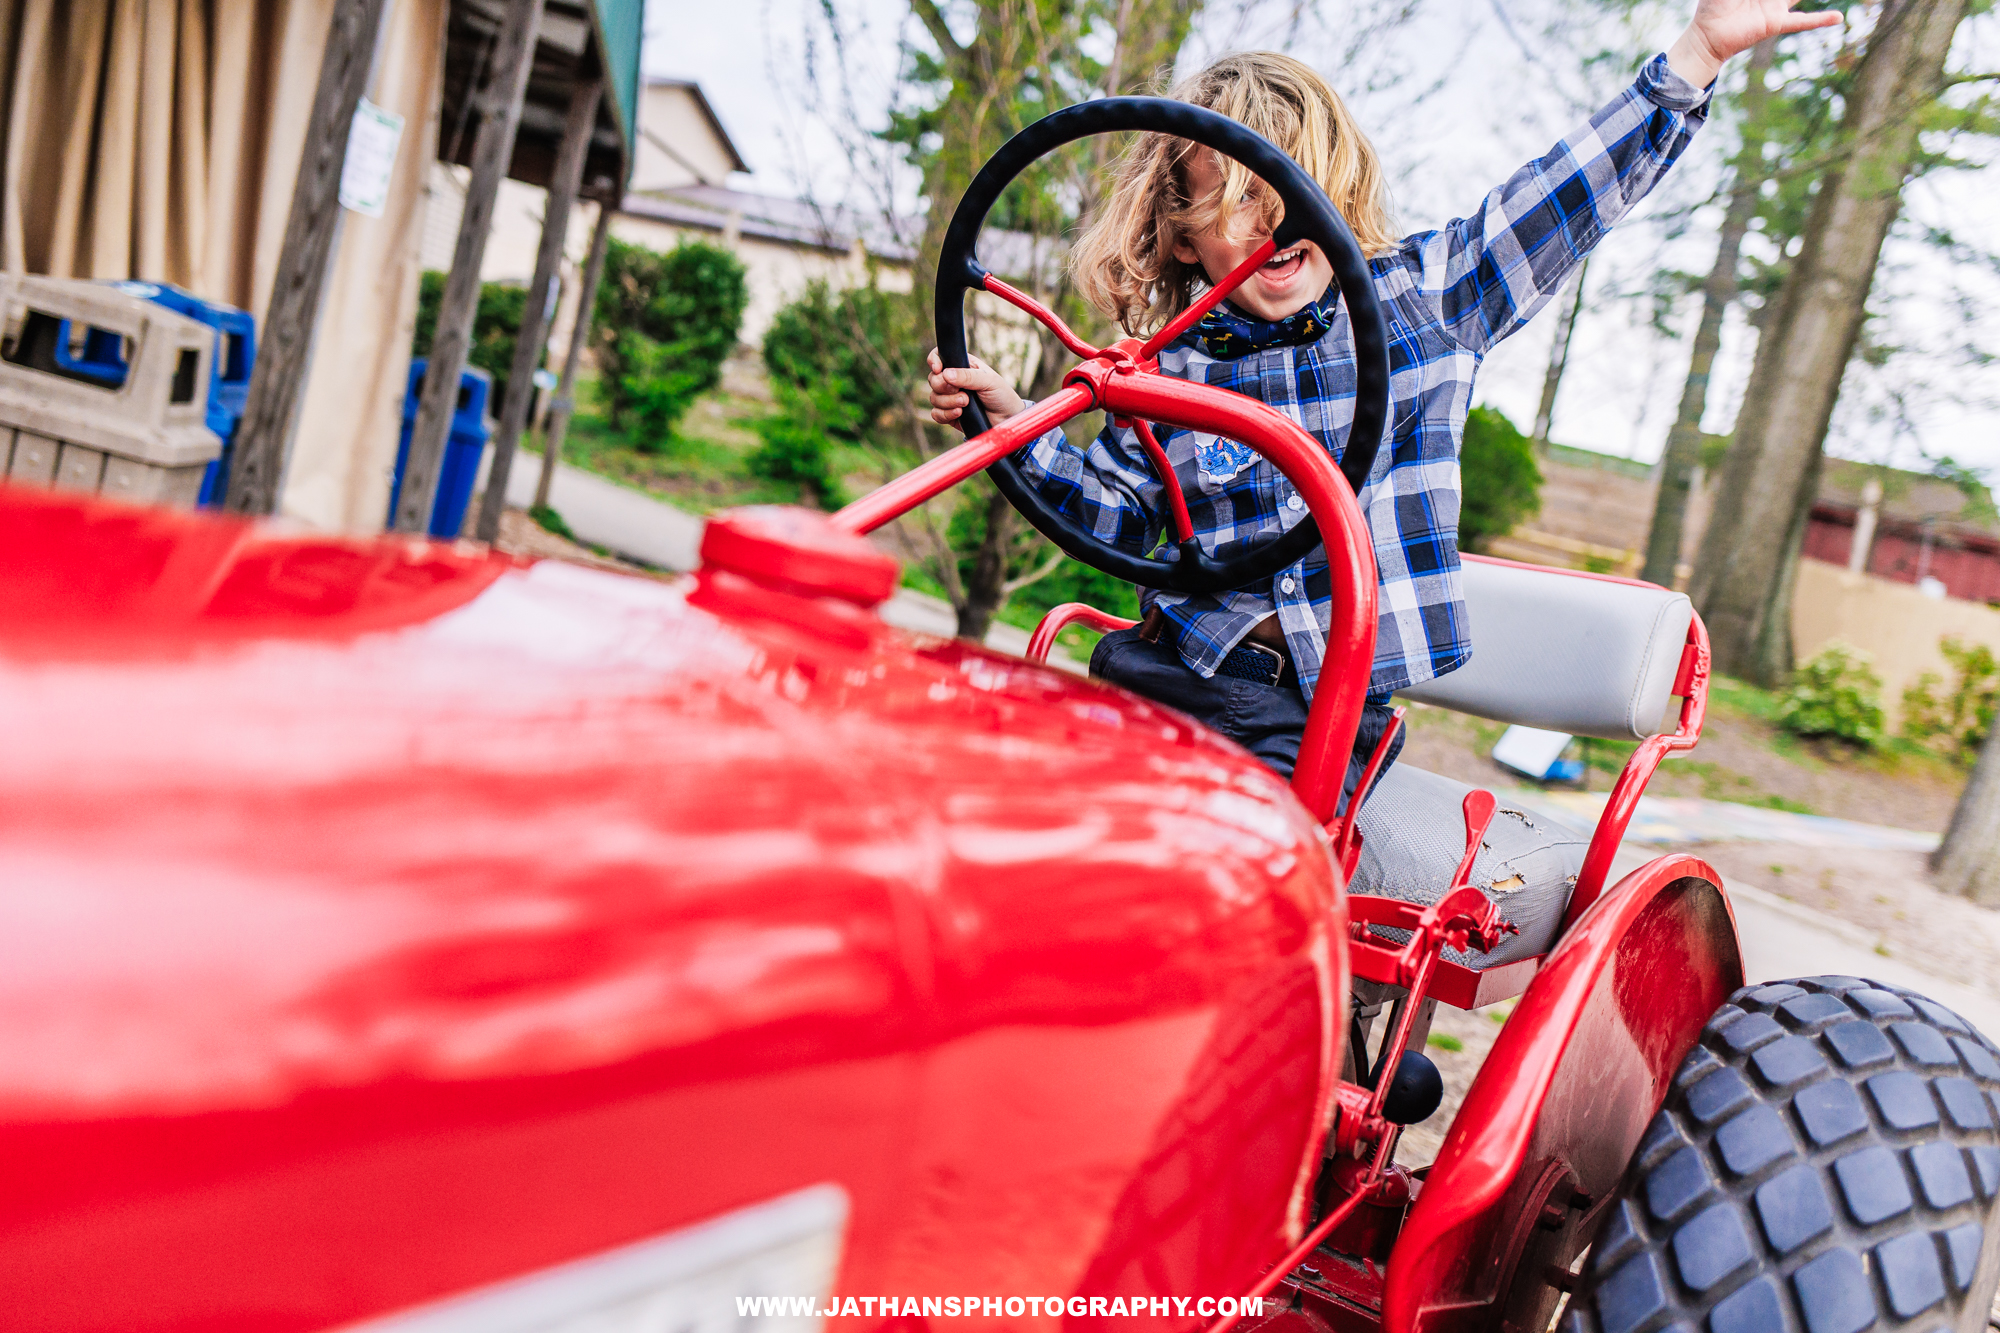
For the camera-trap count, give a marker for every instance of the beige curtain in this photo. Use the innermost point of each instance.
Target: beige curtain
(160, 139)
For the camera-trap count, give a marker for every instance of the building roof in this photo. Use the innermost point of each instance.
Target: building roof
(773, 218)
(1012, 254)
(578, 40)
(693, 90)
(1914, 499)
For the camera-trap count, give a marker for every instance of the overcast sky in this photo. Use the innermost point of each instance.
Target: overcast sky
(1455, 100)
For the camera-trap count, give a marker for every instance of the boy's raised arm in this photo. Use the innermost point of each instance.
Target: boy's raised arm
(1490, 272)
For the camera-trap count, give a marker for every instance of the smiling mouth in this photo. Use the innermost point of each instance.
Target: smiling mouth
(1284, 264)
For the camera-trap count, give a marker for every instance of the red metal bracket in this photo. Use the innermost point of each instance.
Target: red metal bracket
(1061, 618)
(1346, 835)
(1463, 916)
(1014, 296)
(1691, 684)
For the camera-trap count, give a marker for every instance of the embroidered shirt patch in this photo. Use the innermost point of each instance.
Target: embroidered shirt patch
(1220, 459)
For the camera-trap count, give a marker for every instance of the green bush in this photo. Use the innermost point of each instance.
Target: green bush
(496, 324)
(1954, 724)
(656, 387)
(799, 438)
(664, 325)
(1500, 481)
(1838, 694)
(855, 338)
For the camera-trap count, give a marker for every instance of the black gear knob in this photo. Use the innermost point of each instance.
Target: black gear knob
(1414, 1092)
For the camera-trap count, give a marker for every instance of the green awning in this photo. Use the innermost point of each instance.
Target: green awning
(579, 38)
(621, 31)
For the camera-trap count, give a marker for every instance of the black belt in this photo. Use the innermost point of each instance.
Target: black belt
(1248, 660)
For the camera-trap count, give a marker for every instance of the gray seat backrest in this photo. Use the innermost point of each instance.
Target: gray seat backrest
(1587, 656)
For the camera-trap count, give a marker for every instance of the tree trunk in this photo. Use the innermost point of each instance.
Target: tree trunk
(1742, 580)
(1968, 861)
(1683, 454)
(985, 589)
(1545, 414)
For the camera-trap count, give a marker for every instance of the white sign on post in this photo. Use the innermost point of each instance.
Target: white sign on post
(372, 140)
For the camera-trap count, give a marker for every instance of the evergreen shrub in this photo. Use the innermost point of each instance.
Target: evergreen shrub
(1836, 693)
(664, 325)
(1501, 482)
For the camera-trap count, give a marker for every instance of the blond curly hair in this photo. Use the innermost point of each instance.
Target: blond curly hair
(1124, 262)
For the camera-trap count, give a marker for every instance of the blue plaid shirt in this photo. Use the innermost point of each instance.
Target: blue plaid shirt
(1448, 295)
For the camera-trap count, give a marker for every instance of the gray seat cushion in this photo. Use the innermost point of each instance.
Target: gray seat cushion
(1557, 650)
(1413, 835)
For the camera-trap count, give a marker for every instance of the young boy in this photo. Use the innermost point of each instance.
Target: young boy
(1180, 218)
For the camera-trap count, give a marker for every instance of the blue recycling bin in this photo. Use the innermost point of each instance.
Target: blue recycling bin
(462, 450)
(100, 356)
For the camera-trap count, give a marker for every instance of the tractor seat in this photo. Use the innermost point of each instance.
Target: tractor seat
(1589, 656)
(1413, 835)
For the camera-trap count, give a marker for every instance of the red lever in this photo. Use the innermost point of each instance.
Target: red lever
(1479, 808)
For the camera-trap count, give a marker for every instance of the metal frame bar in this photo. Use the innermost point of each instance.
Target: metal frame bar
(1061, 618)
(1121, 385)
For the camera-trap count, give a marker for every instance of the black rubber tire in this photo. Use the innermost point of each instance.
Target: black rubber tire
(1827, 1161)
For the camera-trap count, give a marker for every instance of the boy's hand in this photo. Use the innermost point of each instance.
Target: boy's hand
(1722, 28)
(949, 390)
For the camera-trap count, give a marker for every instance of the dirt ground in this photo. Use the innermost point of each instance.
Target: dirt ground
(1887, 895)
(521, 535)
(1740, 758)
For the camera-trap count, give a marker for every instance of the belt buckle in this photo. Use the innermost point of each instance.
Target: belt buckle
(1276, 659)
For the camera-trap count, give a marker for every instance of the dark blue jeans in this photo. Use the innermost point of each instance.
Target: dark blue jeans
(1266, 720)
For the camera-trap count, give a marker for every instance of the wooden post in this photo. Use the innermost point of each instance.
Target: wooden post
(284, 345)
(568, 174)
(499, 111)
(586, 307)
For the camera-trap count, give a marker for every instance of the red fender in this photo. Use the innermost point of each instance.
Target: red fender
(1550, 1123)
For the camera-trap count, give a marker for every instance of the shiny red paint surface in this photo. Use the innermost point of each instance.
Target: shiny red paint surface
(1582, 1064)
(379, 919)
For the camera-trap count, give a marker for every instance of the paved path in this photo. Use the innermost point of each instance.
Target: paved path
(1780, 938)
(641, 528)
(1783, 939)
(1668, 821)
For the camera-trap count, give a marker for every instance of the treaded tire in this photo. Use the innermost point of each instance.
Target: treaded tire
(1827, 1161)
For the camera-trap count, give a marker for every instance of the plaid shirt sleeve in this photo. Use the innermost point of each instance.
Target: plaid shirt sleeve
(1489, 273)
(1109, 487)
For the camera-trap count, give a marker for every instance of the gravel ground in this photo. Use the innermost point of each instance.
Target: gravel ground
(1460, 1040)
(1887, 895)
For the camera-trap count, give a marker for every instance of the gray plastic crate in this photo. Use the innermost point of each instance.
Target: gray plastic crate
(134, 431)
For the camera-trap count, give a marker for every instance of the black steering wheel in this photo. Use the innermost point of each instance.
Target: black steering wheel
(1309, 215)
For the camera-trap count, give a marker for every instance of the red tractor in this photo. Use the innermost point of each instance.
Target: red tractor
(401, 937)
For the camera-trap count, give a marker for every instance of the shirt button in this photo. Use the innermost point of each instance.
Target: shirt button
(1288, 584)
(1295, 503)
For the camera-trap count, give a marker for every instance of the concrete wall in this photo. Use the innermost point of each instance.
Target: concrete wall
(670, 114)
(1894, 623)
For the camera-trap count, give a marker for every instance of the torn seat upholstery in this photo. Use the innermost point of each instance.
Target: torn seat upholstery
(1413, 834)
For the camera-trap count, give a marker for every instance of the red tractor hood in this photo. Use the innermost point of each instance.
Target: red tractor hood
(381, 919)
